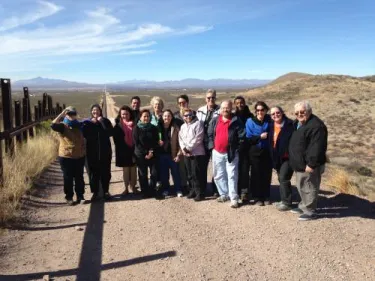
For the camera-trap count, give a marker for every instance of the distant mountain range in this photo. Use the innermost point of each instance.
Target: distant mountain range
(46, 83)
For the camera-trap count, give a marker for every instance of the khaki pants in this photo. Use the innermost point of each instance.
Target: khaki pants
(130, 178)
(308, 185)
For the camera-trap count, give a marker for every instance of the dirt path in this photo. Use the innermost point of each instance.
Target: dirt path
(178, 239)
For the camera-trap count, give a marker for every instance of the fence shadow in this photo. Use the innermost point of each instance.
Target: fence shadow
(88, 275)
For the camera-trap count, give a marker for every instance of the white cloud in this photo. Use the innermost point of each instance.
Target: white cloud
(139, 52)
(45, 9)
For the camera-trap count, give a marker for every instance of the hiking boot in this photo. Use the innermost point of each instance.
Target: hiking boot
(234, 204)
(306, 217)
(297, 211)
(179, 194)
(222, 199)
(282, 207)
(69, 202)
(190, 195)
(198, 198)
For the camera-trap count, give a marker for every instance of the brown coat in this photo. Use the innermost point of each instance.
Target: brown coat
(175, 146)
(72, 143)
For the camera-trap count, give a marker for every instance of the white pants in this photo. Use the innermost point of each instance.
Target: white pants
(225, 174)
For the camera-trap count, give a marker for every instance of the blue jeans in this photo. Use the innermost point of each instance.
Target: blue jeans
(225, 174)
(166, 163)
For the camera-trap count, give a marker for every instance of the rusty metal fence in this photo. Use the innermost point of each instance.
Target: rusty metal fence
(17, 118)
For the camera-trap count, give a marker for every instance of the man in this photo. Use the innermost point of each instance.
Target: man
(307, 157)
(226, 134)
(205, 114)
(135, 105)
(242, 112)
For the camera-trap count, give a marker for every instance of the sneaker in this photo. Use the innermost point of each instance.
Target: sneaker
(179, 194)
(107, 196)
(158, 185)
(297, 211)
(69, 202)
(81, 200)
(306, 217)
(234, 204)
(165, 193)
(282, 207)
(222, 199)
(259, 203)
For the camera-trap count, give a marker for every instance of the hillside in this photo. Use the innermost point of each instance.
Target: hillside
(346, 104)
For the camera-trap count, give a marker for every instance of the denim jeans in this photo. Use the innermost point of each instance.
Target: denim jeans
(225, 174)
(73, 173)
(166, 163)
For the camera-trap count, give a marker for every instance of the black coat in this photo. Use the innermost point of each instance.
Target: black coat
(98, 144)
(124, 153)
(308, 144)
(243, 116)
(178, 119)
(135, 113)
(145, 139)
(280, 153)
(236, 136)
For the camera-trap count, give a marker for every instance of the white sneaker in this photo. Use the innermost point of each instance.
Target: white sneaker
(234, 204)
(179, 194)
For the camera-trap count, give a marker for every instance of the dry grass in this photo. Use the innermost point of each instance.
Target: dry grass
(20, 171)
(339, 180)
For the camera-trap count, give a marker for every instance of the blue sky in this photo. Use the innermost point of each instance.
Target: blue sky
(107, 41)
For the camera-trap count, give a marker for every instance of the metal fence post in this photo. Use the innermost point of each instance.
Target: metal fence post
(7, 113)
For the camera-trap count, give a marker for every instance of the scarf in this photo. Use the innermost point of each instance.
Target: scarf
(127, 127)
(72, 123)
(144, 125)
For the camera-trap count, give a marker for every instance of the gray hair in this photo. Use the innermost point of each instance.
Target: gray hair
(304, 104)
(157, 99)
(279, 108)
(211, 91)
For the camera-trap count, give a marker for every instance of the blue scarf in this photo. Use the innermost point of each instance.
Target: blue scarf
(72, 123)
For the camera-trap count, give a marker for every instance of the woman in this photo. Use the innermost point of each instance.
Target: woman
(191, 144)
(71, 153)
(257, 131)
(145, 139)
(123, 138)
(157, 105)
(97, 131)
(281, 129)
(170, 154)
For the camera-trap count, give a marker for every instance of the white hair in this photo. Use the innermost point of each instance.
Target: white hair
(226, 101)
(304, 104)
(157, 99)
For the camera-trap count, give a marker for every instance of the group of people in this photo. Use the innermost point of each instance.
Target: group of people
(243, 149)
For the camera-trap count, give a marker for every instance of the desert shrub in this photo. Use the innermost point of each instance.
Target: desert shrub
(339, 180)
(21, 169)
(364, 171)
(354, 100)
(43, 127)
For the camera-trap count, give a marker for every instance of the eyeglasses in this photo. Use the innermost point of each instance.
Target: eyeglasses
(276, 113)
(188, 115)
(182, 102)
(260, 110)
(211, 98)
(301, 112)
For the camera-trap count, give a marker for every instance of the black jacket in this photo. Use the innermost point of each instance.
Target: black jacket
(135, 113)
(236, 136)
(178, 119)
(308, 144)
(145, 139)
(280, 152)
(98, 144)
(243, 116)
(124, 153)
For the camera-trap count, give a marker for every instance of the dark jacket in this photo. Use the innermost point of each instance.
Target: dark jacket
(98, 144)
(280, 151)
(243, 116)
(308, 144)
(145, 139)
(135, 114)
(124, 153)
(236, 136)
(178, 119)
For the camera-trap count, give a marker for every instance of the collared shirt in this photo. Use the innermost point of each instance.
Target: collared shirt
(221, 138)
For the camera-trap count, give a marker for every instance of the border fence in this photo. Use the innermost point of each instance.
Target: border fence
(17, 116)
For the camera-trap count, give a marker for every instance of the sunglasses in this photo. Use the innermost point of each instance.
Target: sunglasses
(260, 110)
(188, 115)
(72, 113)
(276, 113)
(301, 112)
(211, 98)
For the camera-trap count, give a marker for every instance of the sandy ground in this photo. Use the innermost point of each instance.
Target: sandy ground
(178, 239)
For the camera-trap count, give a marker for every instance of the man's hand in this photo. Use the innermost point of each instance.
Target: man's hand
(309, 170)
(263, 136)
